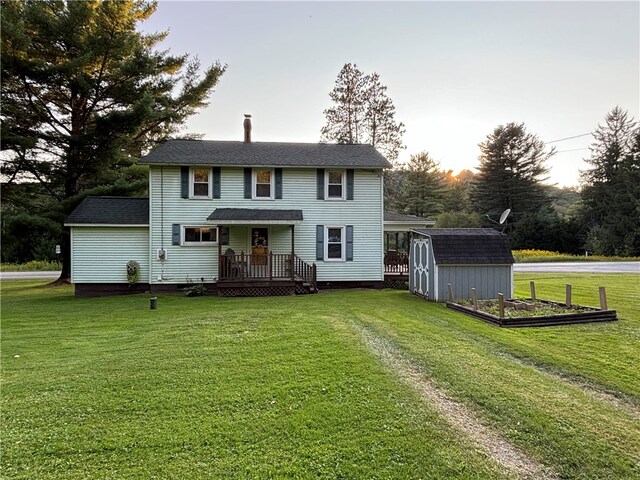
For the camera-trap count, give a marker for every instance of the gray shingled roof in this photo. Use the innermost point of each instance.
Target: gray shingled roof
(468, 246)
(273, 154)
(243, 215)
(110, 211)
(390, 216)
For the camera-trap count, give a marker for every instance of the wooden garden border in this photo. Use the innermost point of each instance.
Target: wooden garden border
(593, 314)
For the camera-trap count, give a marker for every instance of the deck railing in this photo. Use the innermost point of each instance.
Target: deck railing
(266, 266)
(396, 262)
(306, 272)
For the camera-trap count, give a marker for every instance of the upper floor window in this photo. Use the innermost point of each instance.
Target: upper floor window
(334, 189)
(201, 182)
(335, 184)
(263, 184)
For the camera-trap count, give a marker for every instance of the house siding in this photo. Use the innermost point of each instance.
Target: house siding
(100, 254)
(299, 192)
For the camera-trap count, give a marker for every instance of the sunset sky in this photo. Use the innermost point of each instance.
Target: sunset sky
(455, 70)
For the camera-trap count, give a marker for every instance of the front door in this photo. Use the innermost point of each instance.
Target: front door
(259, 247)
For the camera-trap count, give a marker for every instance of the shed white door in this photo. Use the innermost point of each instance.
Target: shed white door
(420, 267)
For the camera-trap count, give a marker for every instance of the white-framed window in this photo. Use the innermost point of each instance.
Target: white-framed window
(199, 235)
(334, 185)
(334, 245)
(200, 183)
(263, 180)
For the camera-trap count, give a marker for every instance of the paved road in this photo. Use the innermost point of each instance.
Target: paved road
(579, 267)
(17, 275)
(565, 267)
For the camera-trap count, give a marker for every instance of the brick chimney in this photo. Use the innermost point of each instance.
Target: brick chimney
(247, 128)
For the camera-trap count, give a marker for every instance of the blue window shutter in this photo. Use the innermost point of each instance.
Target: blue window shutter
(350, 184)
(247, 183)
(184, 182)
(175, 234)
(278, 183)
(320, 184)
(223, 232)
(215, 174)
(319, 242)
(349, 245)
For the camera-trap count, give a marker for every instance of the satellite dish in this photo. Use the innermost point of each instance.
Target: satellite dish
(505, 214)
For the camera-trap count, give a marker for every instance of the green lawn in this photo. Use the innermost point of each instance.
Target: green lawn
(278, 387)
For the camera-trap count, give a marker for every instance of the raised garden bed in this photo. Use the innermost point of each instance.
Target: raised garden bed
(532, 313)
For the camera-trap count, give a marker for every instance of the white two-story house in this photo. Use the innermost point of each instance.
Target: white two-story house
(244, 218)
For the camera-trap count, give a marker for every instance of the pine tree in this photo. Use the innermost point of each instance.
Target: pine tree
(512, 167)
(84, 94)
(611, 187)
(425, 189)
(362, 113)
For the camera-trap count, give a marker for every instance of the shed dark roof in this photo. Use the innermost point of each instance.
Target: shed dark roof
(244, 215)
(274, 154)
(110, 211)
(468, 246)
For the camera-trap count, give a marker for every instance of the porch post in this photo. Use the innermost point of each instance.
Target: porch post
(293, 243)
(219, 255)
(293, 251)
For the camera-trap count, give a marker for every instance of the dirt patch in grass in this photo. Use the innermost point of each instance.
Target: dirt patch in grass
(511, 458)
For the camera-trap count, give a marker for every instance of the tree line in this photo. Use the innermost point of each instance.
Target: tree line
(85, 94)
(601, 217)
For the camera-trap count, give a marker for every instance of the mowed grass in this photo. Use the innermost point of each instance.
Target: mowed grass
(207, 388)
(286, 387)
(567, 395)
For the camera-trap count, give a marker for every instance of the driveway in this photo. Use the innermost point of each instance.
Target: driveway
(579, 267)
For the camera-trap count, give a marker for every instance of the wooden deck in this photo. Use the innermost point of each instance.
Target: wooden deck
(265, 275)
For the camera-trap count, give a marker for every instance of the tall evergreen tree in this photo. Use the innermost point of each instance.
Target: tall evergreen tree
(84, 94)
(611, 187)
(362, 113)
(512, 167)
(425, 190)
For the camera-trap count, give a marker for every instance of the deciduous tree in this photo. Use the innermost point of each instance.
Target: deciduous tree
(362, 113)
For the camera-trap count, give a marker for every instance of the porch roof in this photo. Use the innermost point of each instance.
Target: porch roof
(243, 216)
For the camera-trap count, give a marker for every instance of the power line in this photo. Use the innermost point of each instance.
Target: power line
(572, 150)
(568, 138)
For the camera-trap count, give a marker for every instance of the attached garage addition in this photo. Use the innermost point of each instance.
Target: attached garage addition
(106, 233)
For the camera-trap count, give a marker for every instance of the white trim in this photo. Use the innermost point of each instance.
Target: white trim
(123, 225)
(254, 183)
(436, 288)
(192, 181)
(343, 243)
(511, 295)
(343, 184)
(405, 226)
(71, 249)
(184, 243)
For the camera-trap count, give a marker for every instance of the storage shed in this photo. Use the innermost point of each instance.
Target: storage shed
(466, 258)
